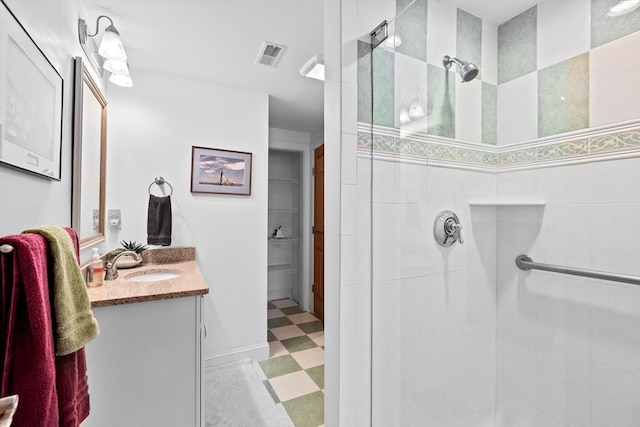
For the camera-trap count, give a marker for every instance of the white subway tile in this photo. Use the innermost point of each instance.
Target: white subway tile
(475, 364)
(615, 397)
(564, 184)
(438, 310)
(468, 113)
(517, 366)
(615, 181)
(383, 242)
(364, 180)
(410, 183)
(348, 254)
(363, 243)
(347, 361)
(349, 108)
(512, 411)
(518, 109)
(383, 181)
(517, 301)
(349, 159)
(615, 326)
(613, 237)
(562, 239)
(348, 209)
(564, 313)
(349, 55)
(412, 234)
(563, 386)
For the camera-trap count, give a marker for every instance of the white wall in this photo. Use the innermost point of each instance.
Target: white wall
(152, 128)
(28, 200)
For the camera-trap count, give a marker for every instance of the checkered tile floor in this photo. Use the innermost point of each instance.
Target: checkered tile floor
(295, 369)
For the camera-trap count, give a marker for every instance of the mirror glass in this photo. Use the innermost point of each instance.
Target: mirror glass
(89, 156)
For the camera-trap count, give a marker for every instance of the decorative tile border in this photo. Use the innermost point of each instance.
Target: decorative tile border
(582, 147)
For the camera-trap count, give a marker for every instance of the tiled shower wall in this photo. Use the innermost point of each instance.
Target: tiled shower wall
(550, 70)
(568, 348)
(434, 338)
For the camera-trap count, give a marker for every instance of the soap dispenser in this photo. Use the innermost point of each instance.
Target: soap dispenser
(98, 269)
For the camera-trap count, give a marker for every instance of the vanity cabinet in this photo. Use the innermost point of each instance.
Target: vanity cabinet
(145, 368)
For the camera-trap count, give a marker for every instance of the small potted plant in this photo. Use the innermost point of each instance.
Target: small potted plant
(127, 261)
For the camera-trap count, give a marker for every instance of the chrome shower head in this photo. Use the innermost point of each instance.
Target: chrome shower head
(467, 70)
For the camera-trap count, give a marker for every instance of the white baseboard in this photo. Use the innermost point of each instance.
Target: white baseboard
(255, 352)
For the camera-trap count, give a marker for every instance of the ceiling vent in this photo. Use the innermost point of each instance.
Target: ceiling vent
(270, 54)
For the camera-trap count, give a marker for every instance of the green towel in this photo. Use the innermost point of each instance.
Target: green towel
(74, 324)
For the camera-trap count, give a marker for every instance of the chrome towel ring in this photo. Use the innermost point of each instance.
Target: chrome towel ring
(159, 181)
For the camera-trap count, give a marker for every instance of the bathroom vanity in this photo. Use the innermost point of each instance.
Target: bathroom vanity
(145, 368)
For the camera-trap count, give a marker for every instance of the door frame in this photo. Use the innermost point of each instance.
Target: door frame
(281, 140)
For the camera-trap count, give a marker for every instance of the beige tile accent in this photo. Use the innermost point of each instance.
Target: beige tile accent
(287, 332)
(273, 313)
(309, 358)
(302, 318)
(317, 337)
(293, 385)
(277, 349)
(284, 303)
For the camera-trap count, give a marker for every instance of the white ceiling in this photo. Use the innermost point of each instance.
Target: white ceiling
(217, 41)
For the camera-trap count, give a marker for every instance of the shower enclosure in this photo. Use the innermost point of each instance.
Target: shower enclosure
(536, 154)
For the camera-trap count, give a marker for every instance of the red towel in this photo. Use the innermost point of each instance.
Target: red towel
(53, 390)
(28, 365)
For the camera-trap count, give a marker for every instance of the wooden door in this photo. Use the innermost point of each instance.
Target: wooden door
(318, 233)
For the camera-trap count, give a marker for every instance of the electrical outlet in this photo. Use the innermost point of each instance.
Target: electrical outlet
(114, 218)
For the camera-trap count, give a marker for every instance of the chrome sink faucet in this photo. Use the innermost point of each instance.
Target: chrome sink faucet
(111, 272)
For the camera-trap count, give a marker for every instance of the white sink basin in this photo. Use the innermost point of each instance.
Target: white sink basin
(152, 276)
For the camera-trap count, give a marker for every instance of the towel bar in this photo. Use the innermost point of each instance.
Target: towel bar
(160, 181)
(525, 263)
(5, 249)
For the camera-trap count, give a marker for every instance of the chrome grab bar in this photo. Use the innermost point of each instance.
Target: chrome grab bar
(525, 263)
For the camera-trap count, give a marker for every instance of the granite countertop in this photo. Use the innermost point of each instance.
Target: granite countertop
(122, 291)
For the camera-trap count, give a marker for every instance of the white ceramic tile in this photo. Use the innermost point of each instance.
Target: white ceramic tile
(474, 300)
(277, 349)
(518, 231)
(441, 183)
(614, 397)
(305, 317)
(349, 107)
(348, 209)
(385, 389)
(518, 109)
(363, 243)
(564, 30)
(386, 332)
(441, 419)
(475, 186)
(317, 337)
(349, 165)
(517, 366)
(615, 181)
(411, 236)
(410, 86)
(517, 301)
(468, 111)
(410, 323)
(478, 410)
(613, 91)
(489, 66)
(349, 56)
(442, 22)
(475, 364)
(383, 181)
(286, 302)
(273, 313)
(610, 249)
(564, 313)
(615, 326)
(364, 180)
(425, 381)
(562, 239)
(563, 386)
(439, 314)
(285, 332)
(546, 420)
(383, 242)
(439, 259)
(481, 235)
(564, 185)
(410, 183)
(348, 254)
(512, 411)
(518, 186)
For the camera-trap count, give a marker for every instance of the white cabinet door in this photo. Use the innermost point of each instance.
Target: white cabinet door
(144, 367)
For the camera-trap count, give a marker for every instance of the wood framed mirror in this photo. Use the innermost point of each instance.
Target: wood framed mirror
(89, 158)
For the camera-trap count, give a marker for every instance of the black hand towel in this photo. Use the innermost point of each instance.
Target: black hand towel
(159, 221)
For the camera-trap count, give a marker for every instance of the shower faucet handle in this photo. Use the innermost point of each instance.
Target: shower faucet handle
(447, 229)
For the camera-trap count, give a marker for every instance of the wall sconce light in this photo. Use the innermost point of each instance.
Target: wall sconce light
(110, 55)
(314, 68)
